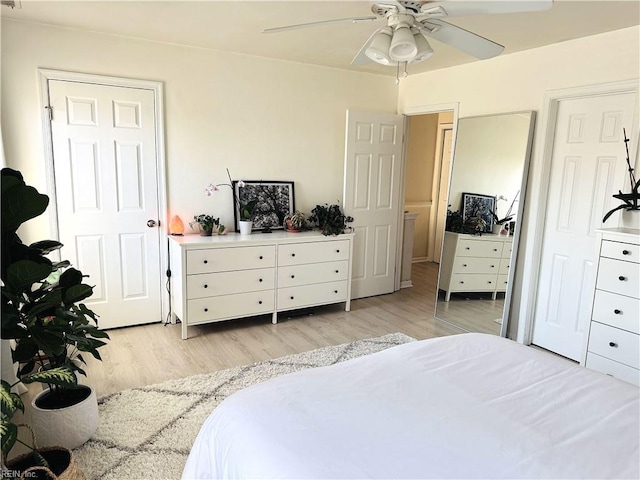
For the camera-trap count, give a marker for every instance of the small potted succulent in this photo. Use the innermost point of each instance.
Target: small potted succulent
(295, 222)
(207, 224)
(330, 219)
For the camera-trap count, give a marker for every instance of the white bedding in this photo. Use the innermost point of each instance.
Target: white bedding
(463, 406)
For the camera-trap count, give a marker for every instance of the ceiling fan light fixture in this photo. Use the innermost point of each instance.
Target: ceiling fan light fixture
(378, 50)
(424, 49)
(403, 45)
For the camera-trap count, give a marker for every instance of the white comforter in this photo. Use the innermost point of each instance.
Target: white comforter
(464, 406)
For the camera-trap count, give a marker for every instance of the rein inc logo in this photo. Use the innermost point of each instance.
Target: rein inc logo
(18, 474)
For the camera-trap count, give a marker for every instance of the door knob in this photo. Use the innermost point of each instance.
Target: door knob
(151, 223)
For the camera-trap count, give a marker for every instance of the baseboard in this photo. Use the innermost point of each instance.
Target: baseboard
(406, 284)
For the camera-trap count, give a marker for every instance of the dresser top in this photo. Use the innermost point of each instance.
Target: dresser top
(490, 237)
(621, 234)
(256, 238)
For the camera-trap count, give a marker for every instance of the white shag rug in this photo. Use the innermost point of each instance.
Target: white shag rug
(147, 433)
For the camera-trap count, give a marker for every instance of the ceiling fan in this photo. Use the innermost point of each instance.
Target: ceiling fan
(410, 23)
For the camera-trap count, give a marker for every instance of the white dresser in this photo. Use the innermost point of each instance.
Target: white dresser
(612, 343)
(234, 276)
(474, 263)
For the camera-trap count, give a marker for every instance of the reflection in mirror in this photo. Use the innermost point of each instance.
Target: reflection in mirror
(488, 179)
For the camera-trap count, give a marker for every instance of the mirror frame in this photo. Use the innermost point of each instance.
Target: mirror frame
(511, 278)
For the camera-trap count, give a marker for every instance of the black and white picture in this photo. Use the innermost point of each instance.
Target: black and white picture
(273, 201)
(476, 205)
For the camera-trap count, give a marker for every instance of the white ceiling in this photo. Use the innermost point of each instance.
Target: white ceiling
(236, 26)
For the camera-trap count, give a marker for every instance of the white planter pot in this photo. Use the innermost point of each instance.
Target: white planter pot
(68, 427)
(245, 227)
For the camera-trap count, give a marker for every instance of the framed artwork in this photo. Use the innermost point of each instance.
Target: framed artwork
(274, 200)
(478, 205)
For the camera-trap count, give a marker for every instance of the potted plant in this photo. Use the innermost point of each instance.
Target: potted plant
(295, 222)
(207, 224)
(41, 311)
(330, 219)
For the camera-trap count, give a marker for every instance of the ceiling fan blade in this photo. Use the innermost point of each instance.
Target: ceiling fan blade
(319, 24)
(361, 58)
(461, 39)
(459, 8)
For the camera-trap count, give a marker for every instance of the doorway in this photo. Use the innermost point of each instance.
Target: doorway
(106, 173)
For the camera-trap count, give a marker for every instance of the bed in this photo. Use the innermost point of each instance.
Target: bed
(463, 406)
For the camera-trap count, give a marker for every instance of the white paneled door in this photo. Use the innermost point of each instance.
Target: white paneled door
(373, 164)
(104, 155)
(588, 166)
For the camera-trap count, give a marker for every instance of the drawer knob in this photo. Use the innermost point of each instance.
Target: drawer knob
(493, 266)
(206, 261)
(613, 344)
(489, 281)
(261, 257)
(467, 248)
(206, 309)
(259, 302)
(338, 250)
(464, 264)
(461, 281)
(626, 252)
(495, 249)
(622, 278)
(260, 280)
(293, 254)
(292, 297)
(335, 291)
(337, 271)
(617, 312)
(206, 286)
(293, 276)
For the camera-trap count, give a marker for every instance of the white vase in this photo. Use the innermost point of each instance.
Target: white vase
(69, 426)
(496, 229)
(245, 227)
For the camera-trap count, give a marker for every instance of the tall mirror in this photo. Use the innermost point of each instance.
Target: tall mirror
(488, 180)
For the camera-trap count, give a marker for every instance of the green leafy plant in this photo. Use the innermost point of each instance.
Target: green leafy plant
(41, 307)
(207, 223)
(330, 219)
(245, 209)
(295, 221)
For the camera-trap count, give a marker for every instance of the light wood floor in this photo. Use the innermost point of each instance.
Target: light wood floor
(475, 312)
(138, 356)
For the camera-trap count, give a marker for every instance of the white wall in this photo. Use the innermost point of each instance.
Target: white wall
(261, 118)
(518, 82)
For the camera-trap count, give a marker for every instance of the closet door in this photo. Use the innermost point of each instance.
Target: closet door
(588, 166)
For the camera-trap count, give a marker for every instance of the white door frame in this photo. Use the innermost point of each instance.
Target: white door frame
(539, 186)
(44, 75)
(408, 112)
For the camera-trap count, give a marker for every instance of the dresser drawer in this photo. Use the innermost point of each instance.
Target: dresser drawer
(476, 265)
(619, 277)
(473, 283)
(295, 275)
(503, 281)
(227, 259)
(479, 248)
(507, 249)
(201, 310)
(620, 251)
(300, 253)
(504, 266)
(225, 283)
(617, 310)
(308, 295)
(613, 369)
(615, 344)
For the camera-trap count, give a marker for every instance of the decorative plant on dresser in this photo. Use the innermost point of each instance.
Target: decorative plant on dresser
(330, 219)
(41, 311)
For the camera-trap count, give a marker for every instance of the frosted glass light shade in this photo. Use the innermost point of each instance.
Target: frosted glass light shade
(378, 50)
(424, 49)
(403, 45)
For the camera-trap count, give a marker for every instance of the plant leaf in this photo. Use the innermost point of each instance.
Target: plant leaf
(63, 376)
(77, 293)
(9, 433)
(46, 246)
(20, 202)
(23, 273)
